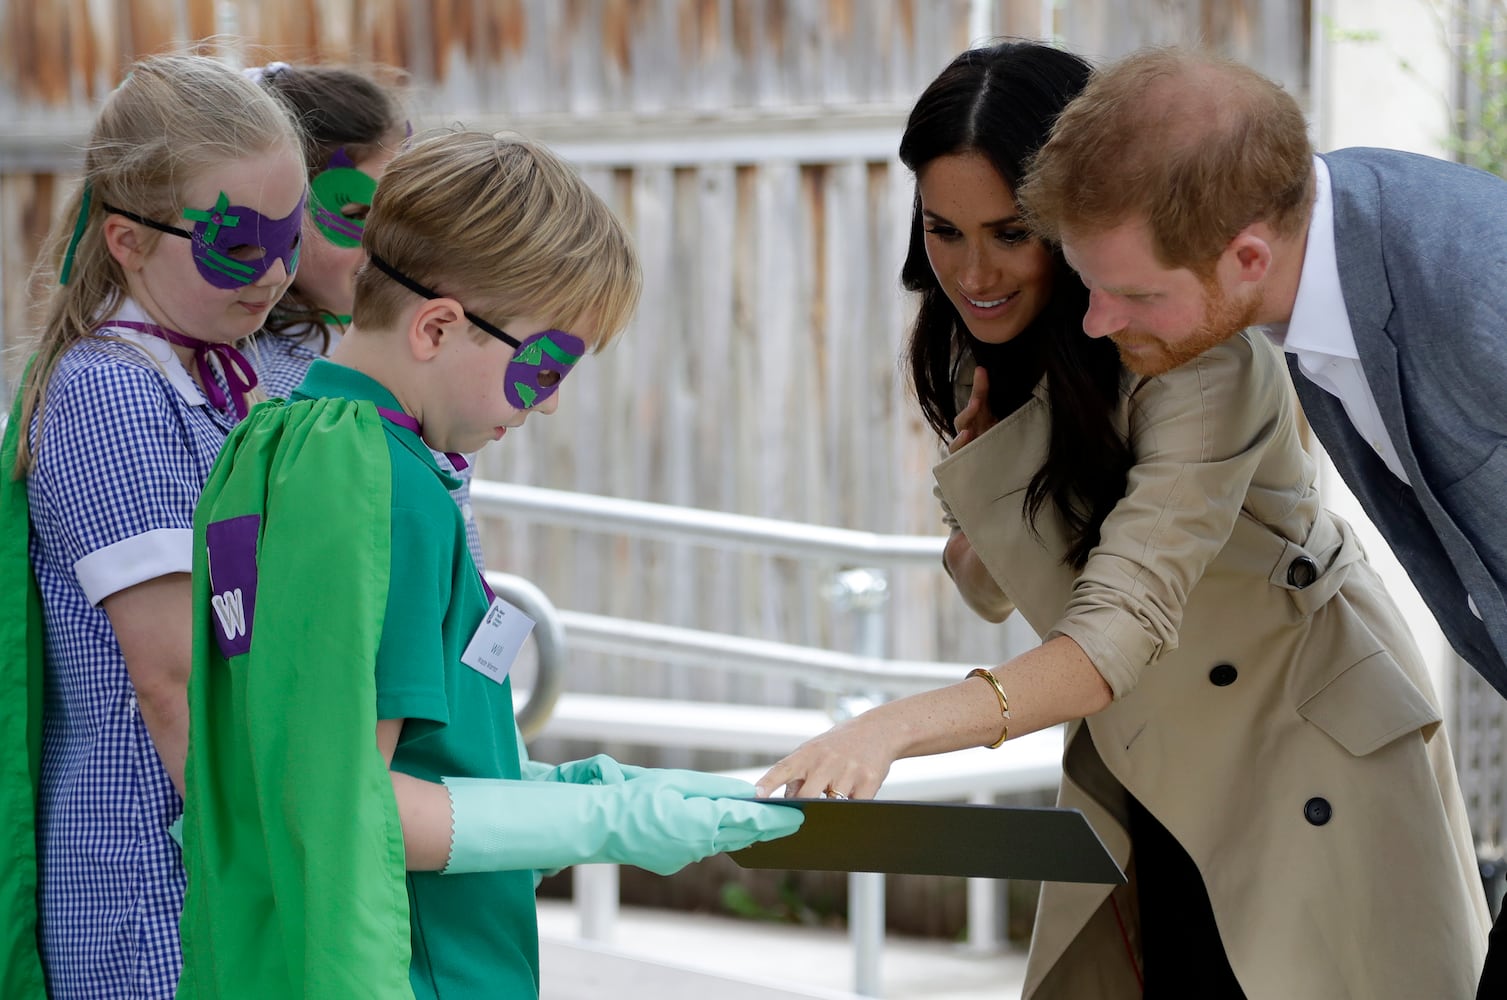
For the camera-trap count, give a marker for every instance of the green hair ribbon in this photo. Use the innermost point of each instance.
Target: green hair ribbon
(78, 233)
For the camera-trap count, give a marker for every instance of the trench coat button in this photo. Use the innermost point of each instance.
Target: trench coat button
(1302, 571)
(1317, 811)
(1223, 675)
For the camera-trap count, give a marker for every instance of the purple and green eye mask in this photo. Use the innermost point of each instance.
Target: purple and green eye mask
(233, 246)
(332, 189)
(540, 362)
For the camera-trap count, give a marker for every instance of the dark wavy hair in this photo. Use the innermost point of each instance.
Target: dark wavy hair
(1001, 102)
(335, 108)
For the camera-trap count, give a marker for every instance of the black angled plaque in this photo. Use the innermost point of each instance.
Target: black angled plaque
(930, 838)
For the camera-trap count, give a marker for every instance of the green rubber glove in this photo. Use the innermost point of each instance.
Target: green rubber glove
(656, 821)
(596, 770)
(601, 769)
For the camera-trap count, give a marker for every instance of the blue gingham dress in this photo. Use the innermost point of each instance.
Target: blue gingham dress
(282, 359)
(127, 445)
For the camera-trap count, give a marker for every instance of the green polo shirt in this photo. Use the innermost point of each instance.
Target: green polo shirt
(474, 935)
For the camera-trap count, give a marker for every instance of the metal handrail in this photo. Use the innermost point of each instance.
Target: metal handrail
(822, 668)
(618, 636)
(549, 634)
(707, 527)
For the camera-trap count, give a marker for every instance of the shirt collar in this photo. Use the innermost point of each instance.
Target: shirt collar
(1319, 323)
(159, 350)
(326, 379)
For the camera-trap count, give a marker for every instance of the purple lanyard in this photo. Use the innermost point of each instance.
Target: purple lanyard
(409, 423)
(239, 375)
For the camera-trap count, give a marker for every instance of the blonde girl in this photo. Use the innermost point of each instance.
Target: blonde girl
(183, 236)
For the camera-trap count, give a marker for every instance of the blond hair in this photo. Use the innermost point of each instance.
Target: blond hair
(172, 118)
(504, 226)
(1195, 146)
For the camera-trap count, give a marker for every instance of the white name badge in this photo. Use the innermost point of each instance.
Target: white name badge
(497, 641)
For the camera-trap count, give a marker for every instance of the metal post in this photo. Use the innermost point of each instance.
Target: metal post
(596, 899)
(987, 927)
(866, 930)
(865, 592)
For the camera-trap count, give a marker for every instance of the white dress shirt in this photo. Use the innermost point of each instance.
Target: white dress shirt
(1319, 334)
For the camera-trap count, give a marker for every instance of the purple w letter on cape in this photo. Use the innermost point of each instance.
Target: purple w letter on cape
(232, 580)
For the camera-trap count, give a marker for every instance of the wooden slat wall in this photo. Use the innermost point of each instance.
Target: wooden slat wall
(1271, 36)
(761, 373)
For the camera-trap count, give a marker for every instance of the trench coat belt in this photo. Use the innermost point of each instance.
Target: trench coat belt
(1323, 560)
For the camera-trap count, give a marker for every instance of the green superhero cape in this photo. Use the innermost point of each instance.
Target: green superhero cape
(292, 842)
(20, 728)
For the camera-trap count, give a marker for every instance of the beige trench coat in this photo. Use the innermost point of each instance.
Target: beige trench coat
(1270, 708)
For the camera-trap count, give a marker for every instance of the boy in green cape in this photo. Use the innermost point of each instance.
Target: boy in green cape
(361, 820)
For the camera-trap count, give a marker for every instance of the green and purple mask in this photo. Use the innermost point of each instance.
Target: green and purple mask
(233, 245)
(540, 361)
(332, 189)
(539, 364)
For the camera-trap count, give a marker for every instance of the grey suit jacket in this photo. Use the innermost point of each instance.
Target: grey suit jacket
(1422, 248)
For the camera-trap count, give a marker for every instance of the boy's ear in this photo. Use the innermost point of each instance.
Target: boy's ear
(432, 322)
(126, 241)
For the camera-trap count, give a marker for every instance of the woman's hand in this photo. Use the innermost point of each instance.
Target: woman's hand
(976, 417)
(1048, 684)
(850, 760)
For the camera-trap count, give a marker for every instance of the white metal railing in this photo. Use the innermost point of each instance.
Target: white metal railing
(549, 645)
(863, 591)
(819, 668)
(688, 524)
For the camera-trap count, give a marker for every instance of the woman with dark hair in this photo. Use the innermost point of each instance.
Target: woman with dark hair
(956, 123)
(1251, 730)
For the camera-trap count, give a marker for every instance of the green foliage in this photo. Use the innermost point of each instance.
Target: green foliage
(789, 907)
(1479, 135)
(1481, 139)
(1334, 32)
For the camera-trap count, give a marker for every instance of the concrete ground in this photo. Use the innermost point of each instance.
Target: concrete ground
(670, 955)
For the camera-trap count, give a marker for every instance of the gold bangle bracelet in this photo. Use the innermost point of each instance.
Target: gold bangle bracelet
(1004, 703)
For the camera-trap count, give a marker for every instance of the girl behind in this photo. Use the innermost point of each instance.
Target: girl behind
(351, 126)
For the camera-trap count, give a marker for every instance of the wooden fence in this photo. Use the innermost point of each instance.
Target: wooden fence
(749, 145)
